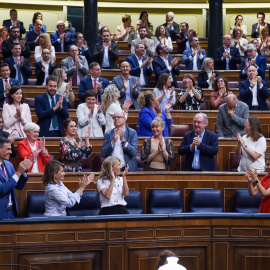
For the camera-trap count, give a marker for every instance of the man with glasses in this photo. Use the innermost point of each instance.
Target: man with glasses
(200, 146)
(121, 142)
(15, 38)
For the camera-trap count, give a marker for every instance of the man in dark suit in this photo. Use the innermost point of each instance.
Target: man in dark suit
(82, 46)
(172, 27)
(106, 52)
(129, 86)
(5, 83)
(44, 67)
(19, 66)
(140, 65)
(227, 57)
(94, 82)
(10, 179)
(15, 38)
(255, 33)
(253, 59)
(61, 39)
(51, 110)
(121, 142)
(254, 91)
(169, 66)
(13, 21)
(200, 146)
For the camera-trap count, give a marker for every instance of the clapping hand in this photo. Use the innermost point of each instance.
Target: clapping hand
(240, 140)
(165, 90)
(11, 138)
(88, 132)
(135, 85)
(251, 175)
(112, 176)
(99, 86)
(259, 80)
(126, 105)
(78, 139)
(125, 171)
(86, 180)
(42, 145)
(53, 61)
(168, 106)
(100, 106)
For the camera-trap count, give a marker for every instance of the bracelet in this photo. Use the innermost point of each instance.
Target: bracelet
(257, 181)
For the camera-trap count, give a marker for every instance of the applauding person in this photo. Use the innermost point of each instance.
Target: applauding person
(112, 188)
(31, 146)
(72, 147)
(44, 43)
(207, 76)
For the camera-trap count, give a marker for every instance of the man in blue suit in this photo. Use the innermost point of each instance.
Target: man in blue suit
(51, 110)
(140, 65)
(129, 86)
(61, 39)
(82, 46)
(19, 66)
(94, 82)
(10, 179)
(193, 57)
(200, 146)
(5, 82)
(254, 91)
(253, 59)
(121, 142)
(227, 57)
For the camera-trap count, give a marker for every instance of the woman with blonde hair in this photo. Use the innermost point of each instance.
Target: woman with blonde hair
(264, 39)
(44, 43)
(112, 188)
(3, 35)
(123, 31)
(111, 105)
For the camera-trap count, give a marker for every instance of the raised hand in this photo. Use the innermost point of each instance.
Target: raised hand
(252, 175)
(100, 106)
(125, 171)
(99, 86)
(42, 144)
(87, 132)
(126, 105)
(22, 60)
(23, 166)
(125, 84)
(165, 90)
(115, 135)
(53, 61)
(112, 176)
(11, 138)
(135, 85)
(168, 106)
(121, 133)
(78, 139)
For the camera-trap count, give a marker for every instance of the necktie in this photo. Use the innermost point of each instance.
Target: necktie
(74, 78)
(20, 73)
(54, 116)
(3, 170)
(95, 84)
(6, 81)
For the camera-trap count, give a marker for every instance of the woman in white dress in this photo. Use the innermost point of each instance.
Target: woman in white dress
(44, 43)
(162, 37)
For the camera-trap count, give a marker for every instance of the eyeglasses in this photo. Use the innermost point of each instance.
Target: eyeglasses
(14, 31)
(117, 117)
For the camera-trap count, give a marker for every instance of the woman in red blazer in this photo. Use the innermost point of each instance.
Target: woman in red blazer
(31, 146)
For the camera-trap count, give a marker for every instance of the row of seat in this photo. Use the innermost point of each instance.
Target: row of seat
(161, 201)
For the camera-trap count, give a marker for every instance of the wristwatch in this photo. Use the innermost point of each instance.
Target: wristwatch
(245, 146)
(257, 181)
(123, 142)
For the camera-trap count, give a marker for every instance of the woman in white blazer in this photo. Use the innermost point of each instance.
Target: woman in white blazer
(90, 114)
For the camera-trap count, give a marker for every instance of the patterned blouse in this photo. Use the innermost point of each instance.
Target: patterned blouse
(71, 155)
(191, 103)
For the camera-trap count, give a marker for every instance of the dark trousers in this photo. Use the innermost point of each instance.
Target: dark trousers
(114, 210)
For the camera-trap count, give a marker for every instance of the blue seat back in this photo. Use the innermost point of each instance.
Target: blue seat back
(88, 206)
(35, 206)
(243, 203)
(134, 202)
(206, 200)
(163, 201)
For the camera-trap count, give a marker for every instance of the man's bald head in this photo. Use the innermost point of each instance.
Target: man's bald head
(231, 101)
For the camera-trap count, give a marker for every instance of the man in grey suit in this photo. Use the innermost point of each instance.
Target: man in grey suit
(148, 43)
(129, 86)
(232, 117)
(75, 65)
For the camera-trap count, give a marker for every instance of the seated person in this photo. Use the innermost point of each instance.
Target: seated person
(31, 146)
(162, 37)
(190, 97)
(150, 110)
(123, 31)
(157, 151)
(112, 188)
(164, 92)
(207, 76)
(90, 114)
(264, 40)
(251, 146)
(238, 41)
(57, 196)
(73, 148)
(3, 35)
(32, 37)
(37, 15)
(44, 43)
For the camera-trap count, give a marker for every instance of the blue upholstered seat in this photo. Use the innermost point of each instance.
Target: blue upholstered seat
(206, 200)
(243, 203)
(35, 205)
(134, 202)
(163, 201)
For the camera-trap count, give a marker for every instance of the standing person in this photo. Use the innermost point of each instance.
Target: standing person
(3, 35)
(90, 114)
(251, 146)
(112, 188)
(238, 41)
(200, 146)
(157, 151)
(73, 148)
(172, 27)
(149, 26)
(162, 37)
(261, 187)
(257, 26)
(10, 179)
(238, 23)
(51, 110)
(44, 43)
(37, 15)
(264, 40)
(123, 31)
(57, 196)
(83, 48)
(207, 75)
(32, 37)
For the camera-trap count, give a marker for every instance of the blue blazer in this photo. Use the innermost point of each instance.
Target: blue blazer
(160, 67)
(260, 62)
(136, 70)
(221, 65)
(40, 74)
(12, 82)
(86, 53)
(146, 116)
(208, 149)
(129, 152)
(9, 186)
(86, 84)
(44, 113)
(119, 82)
(189, 63)
(262, 94)
(25, 69)
(57, 46)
